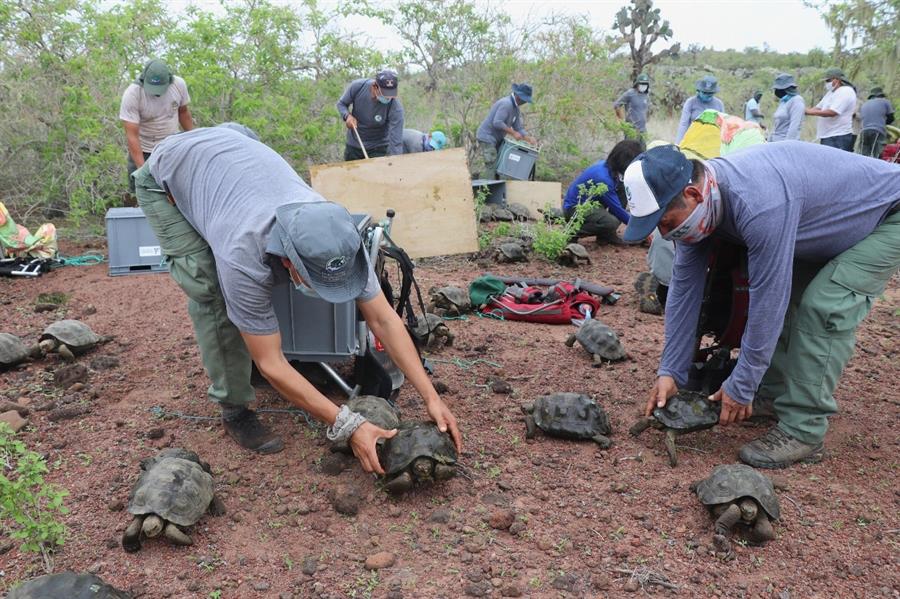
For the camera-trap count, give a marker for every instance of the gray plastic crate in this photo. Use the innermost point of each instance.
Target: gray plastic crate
(133, 246)
(516, 161)
(496, 190)
(313, 330)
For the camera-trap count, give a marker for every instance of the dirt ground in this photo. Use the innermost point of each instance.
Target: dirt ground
(537, 518)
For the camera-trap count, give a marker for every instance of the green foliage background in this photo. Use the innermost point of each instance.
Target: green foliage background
(279, 68)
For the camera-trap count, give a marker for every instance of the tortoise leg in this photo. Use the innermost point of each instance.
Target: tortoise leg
(216, 506)
(65, 353)
(640, 426)
(401, 483)
(603, 441)
(449, 337)
(762, 531)
(444, 471)
(570, 341)
(530, 426)
(598, 361)
(724, 524)
(131, 539)
(670, 449)
(152, 526)
(174, 534)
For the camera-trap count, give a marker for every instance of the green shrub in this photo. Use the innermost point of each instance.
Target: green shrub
(29, 507)
(550, 239)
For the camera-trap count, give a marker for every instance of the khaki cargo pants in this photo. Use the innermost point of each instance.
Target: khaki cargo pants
(827, 305)
(192, 265)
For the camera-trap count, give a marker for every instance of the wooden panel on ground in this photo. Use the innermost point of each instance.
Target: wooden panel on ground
(534, 194)
(430, 191)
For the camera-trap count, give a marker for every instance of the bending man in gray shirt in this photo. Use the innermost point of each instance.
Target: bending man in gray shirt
(233, 218)
(822, 232)
(371, 109)
(504, 118)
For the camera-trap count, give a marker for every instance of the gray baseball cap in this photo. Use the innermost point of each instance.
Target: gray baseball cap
(324, 245)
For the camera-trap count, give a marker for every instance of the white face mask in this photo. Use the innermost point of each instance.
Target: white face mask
(704, 219)
(829, 86)
(643, 87)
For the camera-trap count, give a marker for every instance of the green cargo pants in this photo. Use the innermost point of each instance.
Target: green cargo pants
(193, 267)
(485, 164)
(827, 304)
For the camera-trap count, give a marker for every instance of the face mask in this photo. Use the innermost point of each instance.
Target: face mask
(384, 100)
(643, 88)
(704, 219)
(780, 93)
(704, 97)
(829, 86)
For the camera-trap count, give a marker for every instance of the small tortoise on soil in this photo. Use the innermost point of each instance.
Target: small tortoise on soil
(598, 340)
(646, 286)
(67, 585)
(568, 415)
(685, 412)
(449, 301)
(510, 252)
(13, 351)
(573, 255)
(175, 490)
(433, 328)
(376, 410)
(419, 452)
(69, 338)
(738, 494)
(519, 211)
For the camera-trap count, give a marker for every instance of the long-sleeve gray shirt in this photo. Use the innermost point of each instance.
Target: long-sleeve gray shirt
(504, 113)
(787, 119)
(693, 108)
(636, 105)
(784, 202)
(379, 125)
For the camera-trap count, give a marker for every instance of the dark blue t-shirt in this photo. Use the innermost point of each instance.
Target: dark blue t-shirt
(592, 175)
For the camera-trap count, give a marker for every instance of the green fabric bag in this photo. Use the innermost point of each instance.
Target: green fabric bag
(484, 288)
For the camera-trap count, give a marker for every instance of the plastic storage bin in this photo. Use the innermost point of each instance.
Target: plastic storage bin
(516, 161)
(133, 246)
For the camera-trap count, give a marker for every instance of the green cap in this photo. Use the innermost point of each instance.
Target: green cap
(156, 77)
(876, 92)
(642, 78)
(835, 73)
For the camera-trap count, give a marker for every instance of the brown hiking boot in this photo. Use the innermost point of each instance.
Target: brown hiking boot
(250, 433)
(777, 449)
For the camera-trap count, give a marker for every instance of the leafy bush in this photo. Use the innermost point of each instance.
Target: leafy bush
(29, 507)
(550, 239)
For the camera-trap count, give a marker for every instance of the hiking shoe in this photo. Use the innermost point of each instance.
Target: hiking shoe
(246, 429)
(777, 449)
(646, 285)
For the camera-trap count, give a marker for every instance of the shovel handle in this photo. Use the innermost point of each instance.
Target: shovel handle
(363, 147)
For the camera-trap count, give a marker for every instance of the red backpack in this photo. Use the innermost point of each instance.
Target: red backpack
(559, 304)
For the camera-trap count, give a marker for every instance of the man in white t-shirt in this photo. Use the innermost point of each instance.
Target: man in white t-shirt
(152, 109)
(835, 111)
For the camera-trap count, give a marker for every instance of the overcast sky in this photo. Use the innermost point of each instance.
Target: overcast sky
(785, 25)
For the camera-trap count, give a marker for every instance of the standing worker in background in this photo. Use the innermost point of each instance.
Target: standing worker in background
(373, 115)
(152, 108)
(791, 109)
(876, 113)
(695, 105)
(504, 118)
(414, 141)
(751, 109)
(636, 103)
(835, 111)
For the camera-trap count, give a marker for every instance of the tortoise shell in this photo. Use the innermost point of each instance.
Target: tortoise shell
(416, 440)
(173, 486)
(571, 416)
(520, 211)
(451, 297)
(76, 335)
(733, 481)
(688, 411)
(67, 585)
(577, 250)
(597, 338)
(376, 410)
(513, 252)
(12, 350)
(428, 325)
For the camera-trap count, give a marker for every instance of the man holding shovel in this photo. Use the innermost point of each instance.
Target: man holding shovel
(374, 117)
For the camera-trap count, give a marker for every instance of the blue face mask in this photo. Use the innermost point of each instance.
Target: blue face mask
(704, 97)
(384, 99)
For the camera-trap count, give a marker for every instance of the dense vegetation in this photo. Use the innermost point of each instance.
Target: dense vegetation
(279, 69)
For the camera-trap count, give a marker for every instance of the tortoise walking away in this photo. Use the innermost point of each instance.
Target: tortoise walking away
(573, 255)
(69, 338)
(419, 452)
(569, 416)
(737, 494)
(510, 252)
(598, 340)
(174, 491)
(67, 585)
(685, 412)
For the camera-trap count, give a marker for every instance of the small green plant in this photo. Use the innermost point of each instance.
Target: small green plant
(550, 239)
(288, 563)
(480, 197)
(217, 594)
(503, 230)
(29, 507)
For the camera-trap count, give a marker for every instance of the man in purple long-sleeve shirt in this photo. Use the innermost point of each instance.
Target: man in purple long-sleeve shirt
(822, 232)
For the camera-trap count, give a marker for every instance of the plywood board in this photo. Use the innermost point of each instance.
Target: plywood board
(430, 192)
(534, 194)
